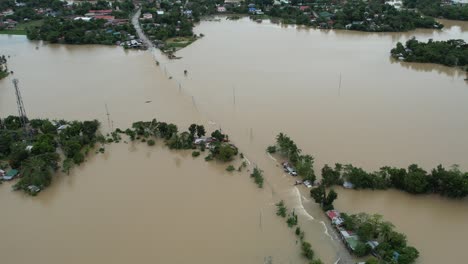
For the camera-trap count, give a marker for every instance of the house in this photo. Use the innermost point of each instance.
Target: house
(2, 173)
(8, 12)
(221, 9)
(252, 10)
(160, 12)
(304, 8)
(101, 12)
(108, 18)
(335, 217)
(10, 23)
(10, 175)
(84, 19)
(397, 4)
(147, 16)
(325, 15)
(347, 184)
(188, 12)
(258, 12)
(349, 238)
(460, 2)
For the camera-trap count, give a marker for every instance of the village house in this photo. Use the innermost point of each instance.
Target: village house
(8, 24)
(147, 16)
(8, 12)
(221, 9)
(160, 12)
(397, 4)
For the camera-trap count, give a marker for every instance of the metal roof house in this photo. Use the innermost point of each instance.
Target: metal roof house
(10, 175)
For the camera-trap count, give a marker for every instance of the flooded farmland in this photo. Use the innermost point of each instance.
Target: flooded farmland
(336, 93)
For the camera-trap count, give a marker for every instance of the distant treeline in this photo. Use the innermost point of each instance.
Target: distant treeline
(446, 182)
(435, 8)
(452, 52)
(80, 32)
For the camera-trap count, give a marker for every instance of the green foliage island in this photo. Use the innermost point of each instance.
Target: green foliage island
(452, 52)
(3, 67)
(286, 147)
(34, 151)
(451, 182)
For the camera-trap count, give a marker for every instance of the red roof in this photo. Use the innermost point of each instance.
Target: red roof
(332, 214)
(105, 17)
(107, 11)
(303, 8)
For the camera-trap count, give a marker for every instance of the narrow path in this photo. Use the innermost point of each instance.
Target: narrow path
(140, 33)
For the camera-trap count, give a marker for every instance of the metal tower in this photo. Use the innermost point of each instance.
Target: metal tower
(19, 102)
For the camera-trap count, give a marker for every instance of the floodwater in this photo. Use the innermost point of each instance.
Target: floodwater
(338, 94)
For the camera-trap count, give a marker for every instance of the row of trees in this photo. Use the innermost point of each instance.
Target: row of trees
(292, 221)
(446, 182)
(436, 8)
(35, 151)
(3, 67)
(373, 228)
(95, 31)
(304, 163)
(453, 52)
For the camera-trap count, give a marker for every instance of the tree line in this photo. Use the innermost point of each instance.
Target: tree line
(453, 52)
(95, 31)
(218, 146)
(436, 8)
(451, 182)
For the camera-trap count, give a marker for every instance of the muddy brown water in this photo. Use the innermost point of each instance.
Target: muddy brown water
(253, 81)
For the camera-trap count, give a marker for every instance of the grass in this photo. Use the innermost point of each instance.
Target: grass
(178, 42)
(13, 32)
(21, 27)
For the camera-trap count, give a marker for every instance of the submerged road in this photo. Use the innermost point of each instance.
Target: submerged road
(140, 33)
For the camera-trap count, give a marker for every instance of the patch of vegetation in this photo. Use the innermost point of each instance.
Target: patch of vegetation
(257, 175)
(304, 163)
(195, 154)
(321, 197)
(3, 67)
(230, 168)
(452, 52)
(34, 152)
(281, 209)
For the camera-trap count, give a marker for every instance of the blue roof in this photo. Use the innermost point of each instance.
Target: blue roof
(10, 175)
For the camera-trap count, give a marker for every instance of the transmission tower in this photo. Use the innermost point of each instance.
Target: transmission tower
(19, 102)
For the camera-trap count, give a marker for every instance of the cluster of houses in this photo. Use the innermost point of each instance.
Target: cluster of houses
(8, 175)
(349, 237)
(12, 174)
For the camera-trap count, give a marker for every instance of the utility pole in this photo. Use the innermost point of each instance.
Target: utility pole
(19, 102)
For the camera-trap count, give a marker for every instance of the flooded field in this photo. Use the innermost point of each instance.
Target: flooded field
(336, 93)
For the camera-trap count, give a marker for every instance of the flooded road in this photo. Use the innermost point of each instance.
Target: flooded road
(253, 81)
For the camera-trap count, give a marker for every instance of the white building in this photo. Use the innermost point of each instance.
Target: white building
(460, 2)
(397, 4)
